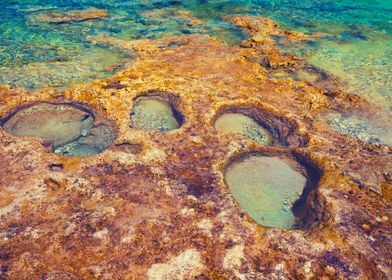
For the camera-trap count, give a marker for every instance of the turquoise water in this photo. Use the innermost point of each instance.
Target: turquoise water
(36, 54)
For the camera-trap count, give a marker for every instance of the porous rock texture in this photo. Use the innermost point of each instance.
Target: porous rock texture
(155, 205)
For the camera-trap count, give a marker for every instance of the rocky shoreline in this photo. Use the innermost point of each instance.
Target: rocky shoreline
(156, 204)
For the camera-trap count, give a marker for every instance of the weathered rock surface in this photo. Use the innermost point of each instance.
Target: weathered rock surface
(156, 203)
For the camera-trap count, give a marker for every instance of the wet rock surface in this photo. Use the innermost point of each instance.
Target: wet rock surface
(166, 209)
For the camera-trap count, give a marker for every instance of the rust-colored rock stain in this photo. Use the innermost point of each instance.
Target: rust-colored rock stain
(156, 205)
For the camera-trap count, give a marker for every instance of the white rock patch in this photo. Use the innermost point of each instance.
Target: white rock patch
(233, 257)
(185, 266)
(206, 226)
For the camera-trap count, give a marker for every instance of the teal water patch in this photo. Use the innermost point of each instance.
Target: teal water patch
(266, 188)
(356, 46)
(154, 113)
(65, 129)
(365, 66)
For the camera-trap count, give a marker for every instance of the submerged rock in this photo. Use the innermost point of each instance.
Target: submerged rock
(164, 14)
(75, 15)
(361, 127)
(98, 139)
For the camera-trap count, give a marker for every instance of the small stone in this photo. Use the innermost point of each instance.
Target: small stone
(259, 38)
(366, 226)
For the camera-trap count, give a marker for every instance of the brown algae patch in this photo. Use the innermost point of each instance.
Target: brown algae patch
(266, 188)
(243, 125)
(155, 113)
(66, 129)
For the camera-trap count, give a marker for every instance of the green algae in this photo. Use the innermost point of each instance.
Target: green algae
(266, 188)
(244, 125)
(154, 113)
(67, 129)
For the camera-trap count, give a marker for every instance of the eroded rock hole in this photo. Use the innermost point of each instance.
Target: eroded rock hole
(155, 113)
(272, 190)
(260, 126)
(65, 129)
(244, 125)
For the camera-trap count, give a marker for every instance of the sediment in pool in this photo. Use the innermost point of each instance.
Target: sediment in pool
(155, 113)
(243, 125)
(66, 129)
(268, 188)
(260, 125)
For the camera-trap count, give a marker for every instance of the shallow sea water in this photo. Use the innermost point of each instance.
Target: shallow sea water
(360, 36)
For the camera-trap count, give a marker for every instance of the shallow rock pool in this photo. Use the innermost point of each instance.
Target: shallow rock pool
(266, 188)
(65, 129)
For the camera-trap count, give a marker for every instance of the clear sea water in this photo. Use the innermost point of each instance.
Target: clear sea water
(36, 55)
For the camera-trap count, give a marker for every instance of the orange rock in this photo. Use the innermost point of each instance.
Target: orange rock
(120, 214)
